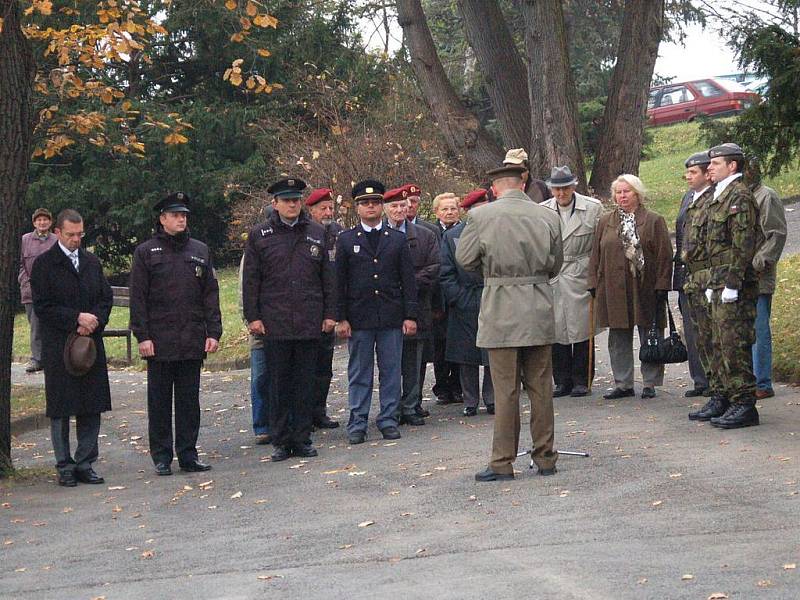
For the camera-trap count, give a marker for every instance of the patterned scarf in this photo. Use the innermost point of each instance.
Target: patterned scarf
(630, 241)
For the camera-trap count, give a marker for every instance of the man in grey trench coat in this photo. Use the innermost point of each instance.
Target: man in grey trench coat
(516, 244)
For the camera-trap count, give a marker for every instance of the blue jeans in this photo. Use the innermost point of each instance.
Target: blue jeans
(258, 387)
(363, 345)
(762, 349)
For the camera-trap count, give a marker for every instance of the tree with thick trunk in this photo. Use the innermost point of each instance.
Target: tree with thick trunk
(555, 133)
(621, 130)
(464, 134)
(17, 70)
(502, 67)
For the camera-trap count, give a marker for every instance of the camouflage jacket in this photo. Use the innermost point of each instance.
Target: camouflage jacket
(693, 246)
(732, 237)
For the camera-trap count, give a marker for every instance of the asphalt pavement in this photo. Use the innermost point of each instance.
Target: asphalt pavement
(663, 508)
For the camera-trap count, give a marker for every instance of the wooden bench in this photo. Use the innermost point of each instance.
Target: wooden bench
(122, 297)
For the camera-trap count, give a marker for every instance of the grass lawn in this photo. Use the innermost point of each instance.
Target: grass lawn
(26, 400)
(785, 333)
(233, 346)
(663, 173)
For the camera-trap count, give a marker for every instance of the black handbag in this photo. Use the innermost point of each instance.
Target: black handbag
(656, 349)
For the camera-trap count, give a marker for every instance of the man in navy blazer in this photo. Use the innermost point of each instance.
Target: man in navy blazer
(376, 306)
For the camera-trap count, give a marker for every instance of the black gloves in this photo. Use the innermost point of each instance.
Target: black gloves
(592, 291)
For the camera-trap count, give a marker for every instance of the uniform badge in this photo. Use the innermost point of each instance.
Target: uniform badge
(198, 271)
(356, 249)
(332, 255)
(314, 250)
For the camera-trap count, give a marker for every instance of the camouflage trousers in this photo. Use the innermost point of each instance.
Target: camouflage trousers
(709, 358)
(733, 334)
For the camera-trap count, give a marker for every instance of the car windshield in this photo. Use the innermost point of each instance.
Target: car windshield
(730, 85)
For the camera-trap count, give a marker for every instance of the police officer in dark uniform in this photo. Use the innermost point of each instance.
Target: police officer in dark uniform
(175, 316)
(321, 208)
(288, 298)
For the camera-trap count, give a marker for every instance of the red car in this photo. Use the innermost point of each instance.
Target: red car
(705, 97)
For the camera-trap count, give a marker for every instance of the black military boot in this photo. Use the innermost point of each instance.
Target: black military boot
(715, 407)
(737, 415)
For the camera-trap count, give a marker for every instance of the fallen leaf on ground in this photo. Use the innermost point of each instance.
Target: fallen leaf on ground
(268, 577)
(658, 503)
(789, 566)
(67, 509)
(762, 583)
(345, 546)
(148, 554)
(642, 581)
(718, 596)
(675, 475)
(428, 474)
(687, 577)
(366, 523)
(236, 495)
(116, 487)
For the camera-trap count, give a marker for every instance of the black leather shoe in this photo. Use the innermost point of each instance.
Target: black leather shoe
(737, 415)
(579, 391)
(489, 475)
(458, 397)
(412, 420)
(325, 422)
(280, 453)
(561, 390)
(262, 439)
(88, 476)
(490, 409)
(67, 479)
(648, 392)
(195, 466)
(163, 469)
(470, 411)
(694, 392)
(715, 407)
(357, 437)
(305, 451)
(445, 400)
(390, 433)
(421, 412)
(547, 472)
(619, 393)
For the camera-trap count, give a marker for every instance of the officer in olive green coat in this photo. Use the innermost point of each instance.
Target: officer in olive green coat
(732, 237)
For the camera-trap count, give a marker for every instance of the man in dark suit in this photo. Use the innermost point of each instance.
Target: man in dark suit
(699, 181)
(424, 249)
(71, 296)
(376, 306)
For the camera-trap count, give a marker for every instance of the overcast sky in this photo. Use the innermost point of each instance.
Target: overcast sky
(703, 54)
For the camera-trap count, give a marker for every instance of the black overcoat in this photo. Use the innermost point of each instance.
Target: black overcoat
(376, 288)
(60, 293)
(461, 290)
(438, 303)
(679, 272)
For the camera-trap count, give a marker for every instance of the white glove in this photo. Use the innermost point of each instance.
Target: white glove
(709, 293)
(729, 295)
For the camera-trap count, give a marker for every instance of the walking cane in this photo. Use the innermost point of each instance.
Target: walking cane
(562, 452)
(590, 375)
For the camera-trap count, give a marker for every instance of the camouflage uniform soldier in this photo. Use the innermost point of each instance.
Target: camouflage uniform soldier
(694, 256)
(732, 289)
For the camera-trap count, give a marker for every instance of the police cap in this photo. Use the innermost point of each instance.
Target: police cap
(368, 189)
(175, 202)
(698, 159)
(287, 188)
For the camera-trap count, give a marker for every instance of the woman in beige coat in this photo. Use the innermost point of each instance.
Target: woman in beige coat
(579, 215)
(629, 271)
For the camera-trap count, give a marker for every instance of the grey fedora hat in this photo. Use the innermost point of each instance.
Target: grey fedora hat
(561, 177)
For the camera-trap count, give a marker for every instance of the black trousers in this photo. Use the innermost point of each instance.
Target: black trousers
(448, 382)
(322, 376)
(571, 364)
(291, 368)
(183, 378)
(87, 427)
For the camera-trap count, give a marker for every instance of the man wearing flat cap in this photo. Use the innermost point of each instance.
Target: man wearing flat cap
(33, 244)
(700, 189)
(461, 292)
(731, 289)
(288, 298)
(72, 297)
(579, 215)
(516, 245)
(320, 205)
(175, 316)
(376, 306)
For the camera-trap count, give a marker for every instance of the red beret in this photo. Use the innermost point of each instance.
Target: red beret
(473, 197)
(412, 189)
(396, 194)
(319, 195)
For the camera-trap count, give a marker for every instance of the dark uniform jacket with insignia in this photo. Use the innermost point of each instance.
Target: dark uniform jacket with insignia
(376, 287)
(174, 297)
(288, 278)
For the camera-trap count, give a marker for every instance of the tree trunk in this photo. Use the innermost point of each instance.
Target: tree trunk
(621, 130)
(502, 68)
(17, 69)
(464, 135)
(555, 132)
